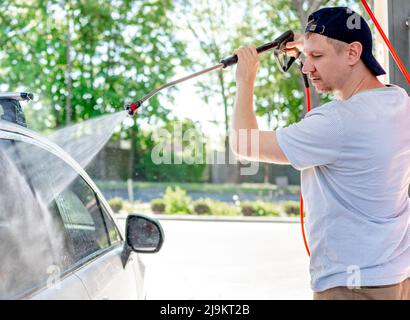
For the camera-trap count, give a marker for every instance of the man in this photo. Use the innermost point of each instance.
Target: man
(354, 158)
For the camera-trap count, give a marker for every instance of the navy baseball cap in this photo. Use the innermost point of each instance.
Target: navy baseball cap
(342, 23)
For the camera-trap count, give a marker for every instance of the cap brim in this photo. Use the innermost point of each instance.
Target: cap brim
(370, 61)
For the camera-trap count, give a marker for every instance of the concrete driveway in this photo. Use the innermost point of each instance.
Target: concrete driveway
(229, 260)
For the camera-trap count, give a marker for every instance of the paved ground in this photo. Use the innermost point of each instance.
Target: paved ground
(229, 260)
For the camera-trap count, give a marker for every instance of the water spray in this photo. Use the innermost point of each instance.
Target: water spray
(278, 44)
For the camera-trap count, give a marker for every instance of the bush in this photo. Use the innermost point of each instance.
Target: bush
(202, 206)
(219, 208)
(291, 208)
(248, 209)
(266, 209)
(259, 208)
(116, 204)
(176, 201)
(157, 205)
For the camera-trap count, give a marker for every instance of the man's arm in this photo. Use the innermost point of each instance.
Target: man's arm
(246, 140)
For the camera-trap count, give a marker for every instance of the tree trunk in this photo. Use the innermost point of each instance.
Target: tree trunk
(224, 100)
(131, 159)
(233, 170)
(266, 172)
(69, 82)
(267, 166)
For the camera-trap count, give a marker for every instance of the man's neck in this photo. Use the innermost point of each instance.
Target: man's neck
(357, 84)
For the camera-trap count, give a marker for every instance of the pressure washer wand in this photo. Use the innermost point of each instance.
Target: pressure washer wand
(277, 43)
(132, 107)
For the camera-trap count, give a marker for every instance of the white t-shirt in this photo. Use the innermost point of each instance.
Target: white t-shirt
(355, 161)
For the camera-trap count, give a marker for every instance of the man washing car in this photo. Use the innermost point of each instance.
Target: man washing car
(354, 158)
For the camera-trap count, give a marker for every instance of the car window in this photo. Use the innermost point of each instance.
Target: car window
(82, 219)
(50, 218)
(112, 229)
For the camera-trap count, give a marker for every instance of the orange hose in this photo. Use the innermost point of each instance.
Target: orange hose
(302, 223)
(386, 40)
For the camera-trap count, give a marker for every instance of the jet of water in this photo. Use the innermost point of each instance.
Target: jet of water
(26, 227)
(84, 140)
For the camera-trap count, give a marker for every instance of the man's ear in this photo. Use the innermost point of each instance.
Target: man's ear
(354, 52)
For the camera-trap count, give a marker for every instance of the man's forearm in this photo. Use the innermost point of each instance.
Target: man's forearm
(243, 114)
(243, 121)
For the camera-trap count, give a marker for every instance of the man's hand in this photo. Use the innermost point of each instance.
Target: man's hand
(294, 48)
(248, 64)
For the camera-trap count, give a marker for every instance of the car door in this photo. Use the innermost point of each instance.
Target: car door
(102, 272)
(134, 264)
(32, 260)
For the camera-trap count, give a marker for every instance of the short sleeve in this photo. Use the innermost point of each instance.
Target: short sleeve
(315, 140)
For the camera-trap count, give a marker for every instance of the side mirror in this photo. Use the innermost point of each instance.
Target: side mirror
(142, 234)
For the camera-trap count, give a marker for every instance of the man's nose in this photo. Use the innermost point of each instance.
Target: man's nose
(308, 67)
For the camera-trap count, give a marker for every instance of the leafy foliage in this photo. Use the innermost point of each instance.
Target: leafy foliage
(187, 160)
(118, 50)
(157, 205)
(176, 201)
(116, 204)
(85, 58)
(291, 208)
(202, 206)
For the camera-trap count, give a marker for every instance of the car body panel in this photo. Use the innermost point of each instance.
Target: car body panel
(68, 288)
(107, 279)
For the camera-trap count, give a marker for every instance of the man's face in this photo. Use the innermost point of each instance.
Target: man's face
(326, 67)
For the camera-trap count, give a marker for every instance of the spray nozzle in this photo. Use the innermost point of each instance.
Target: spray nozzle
(132, 107)
(282, 60)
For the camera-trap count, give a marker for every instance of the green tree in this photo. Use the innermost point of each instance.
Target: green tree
(84, 58)
(213, 25)
(181, 146)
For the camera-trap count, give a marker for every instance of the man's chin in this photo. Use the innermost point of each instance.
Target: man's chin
(321, 89)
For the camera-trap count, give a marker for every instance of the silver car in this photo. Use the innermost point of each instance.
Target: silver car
(58, 235)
